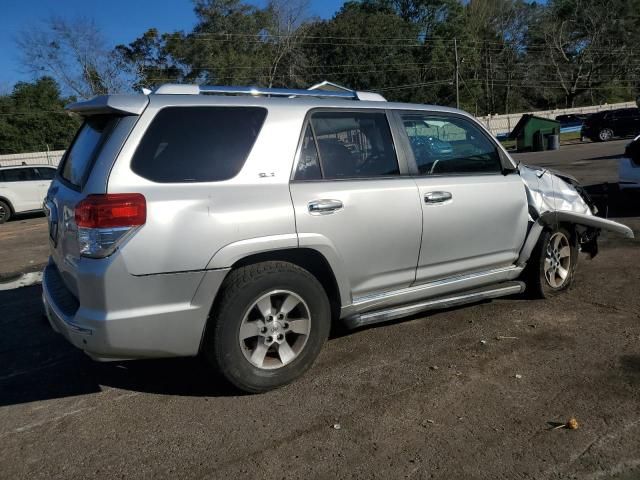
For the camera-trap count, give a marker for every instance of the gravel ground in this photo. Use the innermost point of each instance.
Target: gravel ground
(422, 398)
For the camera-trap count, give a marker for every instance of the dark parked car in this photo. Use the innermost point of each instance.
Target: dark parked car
(573, 120)
(604, 126)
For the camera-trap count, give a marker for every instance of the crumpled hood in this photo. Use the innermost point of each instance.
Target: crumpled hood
(547, 192)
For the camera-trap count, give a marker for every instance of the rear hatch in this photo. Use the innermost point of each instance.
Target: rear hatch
(97, 143)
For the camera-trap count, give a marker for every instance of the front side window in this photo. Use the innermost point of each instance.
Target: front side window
(443, 144)
(627, 114)
(197, 144)
(46, 173)
(352, 145)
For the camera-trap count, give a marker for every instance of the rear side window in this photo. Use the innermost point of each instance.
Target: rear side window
(309, 163)
(197, 144)
(350, 145)
(20, 175)
(78, 160)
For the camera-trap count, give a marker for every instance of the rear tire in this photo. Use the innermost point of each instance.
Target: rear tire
(605, 135)
(552, 265)
(5, 212)
(267, 326)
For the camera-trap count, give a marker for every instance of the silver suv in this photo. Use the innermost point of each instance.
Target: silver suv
(239, 223)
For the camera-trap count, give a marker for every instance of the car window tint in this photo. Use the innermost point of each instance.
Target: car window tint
(308, 164)
(444, 144)
(20, 175)
(627, 114)
(46, 173)
(354, 145)
(197, 144)
(79, 157)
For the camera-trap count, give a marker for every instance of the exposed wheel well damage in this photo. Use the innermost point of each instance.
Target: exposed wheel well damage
(558, 200)
(309, 259)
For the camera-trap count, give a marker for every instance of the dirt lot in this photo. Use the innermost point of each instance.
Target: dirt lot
(423, 398)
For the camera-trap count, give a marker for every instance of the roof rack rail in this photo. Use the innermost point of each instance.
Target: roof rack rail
(191, 89)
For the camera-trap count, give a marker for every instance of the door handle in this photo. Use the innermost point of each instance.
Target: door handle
(324, 207)
(437, 197)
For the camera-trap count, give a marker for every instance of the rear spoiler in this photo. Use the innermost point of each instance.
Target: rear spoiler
(105, 104)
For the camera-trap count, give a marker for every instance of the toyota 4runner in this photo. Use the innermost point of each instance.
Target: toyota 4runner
(239, 223)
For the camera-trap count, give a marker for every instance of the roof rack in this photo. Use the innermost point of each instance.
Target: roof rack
(179, 89)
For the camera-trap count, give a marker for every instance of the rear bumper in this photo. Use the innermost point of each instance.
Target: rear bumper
(120, 316)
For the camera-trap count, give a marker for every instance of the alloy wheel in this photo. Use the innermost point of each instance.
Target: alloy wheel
(557, 261)
(275, 329)
(605, 134)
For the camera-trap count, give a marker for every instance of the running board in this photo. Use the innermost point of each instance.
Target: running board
(461, 298)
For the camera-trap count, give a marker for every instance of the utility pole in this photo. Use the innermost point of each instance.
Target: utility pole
(455, 46)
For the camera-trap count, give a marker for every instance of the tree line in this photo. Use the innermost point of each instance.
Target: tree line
(490, 56)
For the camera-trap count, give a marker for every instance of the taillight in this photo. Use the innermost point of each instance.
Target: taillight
(104, 221)
(112, 210)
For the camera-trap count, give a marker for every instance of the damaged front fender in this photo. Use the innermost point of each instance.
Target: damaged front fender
(554, 200)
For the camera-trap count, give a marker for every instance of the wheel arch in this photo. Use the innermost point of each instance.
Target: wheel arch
(8, 202)
(311, 260)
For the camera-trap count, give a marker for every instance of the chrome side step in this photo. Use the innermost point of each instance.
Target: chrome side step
(485, 293)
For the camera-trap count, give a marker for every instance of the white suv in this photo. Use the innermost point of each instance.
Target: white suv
(23, 188)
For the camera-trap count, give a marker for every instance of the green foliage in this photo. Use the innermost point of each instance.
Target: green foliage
(513, 55)
(32, 118)
(354, 48)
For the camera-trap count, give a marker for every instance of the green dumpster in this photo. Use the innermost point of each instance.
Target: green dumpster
(531, 132)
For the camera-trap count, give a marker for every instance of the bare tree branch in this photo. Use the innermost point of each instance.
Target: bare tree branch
(73, 52)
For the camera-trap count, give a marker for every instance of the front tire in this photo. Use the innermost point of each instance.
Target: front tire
(551, 268)
(5, 212)
(268, 325)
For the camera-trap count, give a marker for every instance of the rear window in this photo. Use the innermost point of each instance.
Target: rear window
(197, 144)
(78, 160)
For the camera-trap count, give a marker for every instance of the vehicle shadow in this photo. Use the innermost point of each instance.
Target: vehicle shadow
(25, 216)
(613, 201)
(339, 330)
(604, 157)
(38, 364)
(631, 367)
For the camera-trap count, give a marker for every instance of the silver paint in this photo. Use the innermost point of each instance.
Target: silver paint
(386, 245)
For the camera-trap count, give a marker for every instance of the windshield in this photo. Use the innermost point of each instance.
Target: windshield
(78, 159)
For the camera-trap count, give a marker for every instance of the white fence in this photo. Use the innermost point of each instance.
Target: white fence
(35, 158)
(501, 124)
